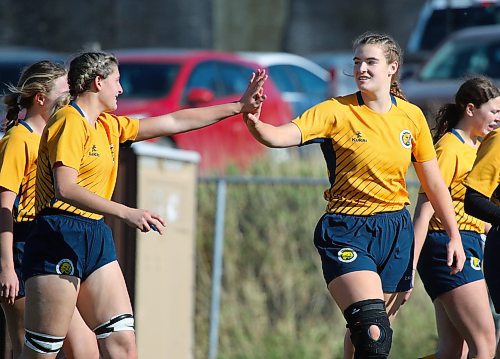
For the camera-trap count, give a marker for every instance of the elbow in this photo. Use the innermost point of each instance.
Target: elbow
(61, 193)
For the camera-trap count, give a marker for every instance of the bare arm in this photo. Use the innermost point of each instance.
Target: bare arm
(194, 118)
(67, 190)
(438, 195)
(286, 135)
(423, 214)
(9, 283)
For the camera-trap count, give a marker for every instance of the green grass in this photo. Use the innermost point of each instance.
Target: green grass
(274, 302)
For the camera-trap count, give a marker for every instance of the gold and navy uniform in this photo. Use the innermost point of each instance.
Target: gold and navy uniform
(367, 153)
(18, 159)
(366, 225)
(455, 159)
(485, 179)
(485, 175)
(71, 140)
(67, 240)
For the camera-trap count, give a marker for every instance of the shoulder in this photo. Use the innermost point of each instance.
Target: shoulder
(449, 143)
(19, 135)
(408, 107)
(67, 116)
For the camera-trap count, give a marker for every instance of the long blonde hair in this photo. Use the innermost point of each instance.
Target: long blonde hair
(37, 78)
(392, 52)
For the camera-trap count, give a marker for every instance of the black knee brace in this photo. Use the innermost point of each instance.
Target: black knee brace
(360, 316)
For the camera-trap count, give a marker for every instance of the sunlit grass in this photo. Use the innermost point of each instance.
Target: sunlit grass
(274, 302)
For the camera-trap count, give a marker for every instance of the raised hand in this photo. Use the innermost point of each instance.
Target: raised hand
(254, 94)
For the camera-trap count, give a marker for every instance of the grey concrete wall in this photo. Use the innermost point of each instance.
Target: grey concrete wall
(292, 25)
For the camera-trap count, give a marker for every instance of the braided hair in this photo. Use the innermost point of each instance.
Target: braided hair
(392, 52)
(84, 68)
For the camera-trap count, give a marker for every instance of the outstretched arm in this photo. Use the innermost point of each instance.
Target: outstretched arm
(194, 118)
(435, 189)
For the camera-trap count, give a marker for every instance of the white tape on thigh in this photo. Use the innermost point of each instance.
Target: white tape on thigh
(43, 343)
(119, 323)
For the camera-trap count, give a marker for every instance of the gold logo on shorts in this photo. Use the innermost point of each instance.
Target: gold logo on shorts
(65, 267)
(475, 263)
(347, 255)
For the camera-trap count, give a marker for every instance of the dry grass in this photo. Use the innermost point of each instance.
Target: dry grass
(274, 301)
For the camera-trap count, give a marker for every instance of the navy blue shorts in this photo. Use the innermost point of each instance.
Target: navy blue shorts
(492, 265)
(21, 232)
(67, 244)
(382, 243)
(433, 268)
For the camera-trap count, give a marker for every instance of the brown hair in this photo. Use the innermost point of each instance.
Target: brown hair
(36, 78)
(84, 68)
(476, 90)
(392, 52)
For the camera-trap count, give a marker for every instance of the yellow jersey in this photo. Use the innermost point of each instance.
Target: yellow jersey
(367, 153)
(18, 157)
(455, 159)
(71, 140)
(485, 175)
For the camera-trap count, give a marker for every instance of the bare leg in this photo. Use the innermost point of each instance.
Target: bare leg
(80, 342)
(104, 295)
(14, 316)
(450, 343)
(393, 302)
(478, 329)
(50, 303)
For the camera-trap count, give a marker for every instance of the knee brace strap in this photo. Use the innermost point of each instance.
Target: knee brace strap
(360, 317)
(118, 323)
(43, 343)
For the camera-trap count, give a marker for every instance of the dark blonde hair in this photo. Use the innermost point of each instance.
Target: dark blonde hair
(84, 68)
(37, 78)
(476, 90)
(392, 52)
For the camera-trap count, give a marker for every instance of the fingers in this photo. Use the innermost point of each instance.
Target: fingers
(152, 221)
(8, 293)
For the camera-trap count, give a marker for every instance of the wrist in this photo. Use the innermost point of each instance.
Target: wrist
(237, 107)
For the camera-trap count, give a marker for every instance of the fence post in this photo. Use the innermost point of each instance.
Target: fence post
(217, 267)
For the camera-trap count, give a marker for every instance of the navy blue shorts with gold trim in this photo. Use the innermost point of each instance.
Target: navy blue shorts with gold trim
(382, 243)
(67, 244)
(433, 264)
(492, 265)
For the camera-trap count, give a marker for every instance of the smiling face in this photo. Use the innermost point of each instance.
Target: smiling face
(110, 89)
(486, 118)
(372, 73)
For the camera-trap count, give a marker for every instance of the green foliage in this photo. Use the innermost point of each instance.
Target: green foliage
(274, 301)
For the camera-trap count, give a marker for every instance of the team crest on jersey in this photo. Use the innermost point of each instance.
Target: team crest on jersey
(65, 267)
(405, 138)
(475, 263)
(347, 255)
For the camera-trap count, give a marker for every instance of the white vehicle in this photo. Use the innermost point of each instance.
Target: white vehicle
(440, 18)
(301, 82)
